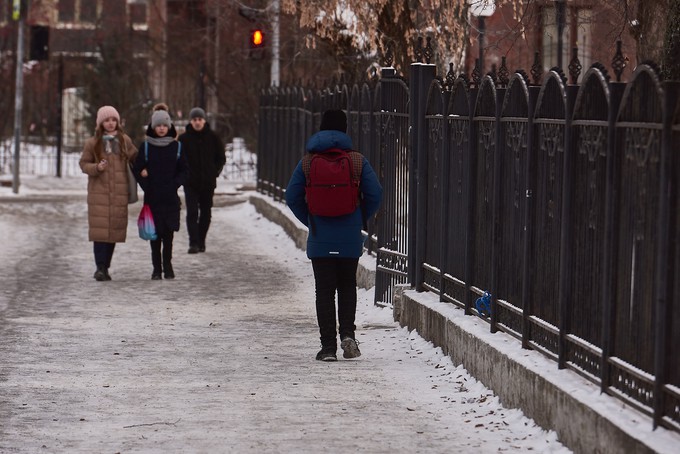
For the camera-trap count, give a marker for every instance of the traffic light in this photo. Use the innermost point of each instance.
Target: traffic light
(256, 38)
(257, 43)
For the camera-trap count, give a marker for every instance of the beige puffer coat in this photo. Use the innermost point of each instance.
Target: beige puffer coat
(107, 191)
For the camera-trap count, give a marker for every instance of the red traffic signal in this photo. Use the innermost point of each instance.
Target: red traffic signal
(256, 38)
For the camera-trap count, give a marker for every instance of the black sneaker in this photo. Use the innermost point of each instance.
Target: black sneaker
(326, 354)
(350, 348)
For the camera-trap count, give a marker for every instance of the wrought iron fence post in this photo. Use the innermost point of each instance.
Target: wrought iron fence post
(564, 289)
(528, 214)
(662, 353)
(499, 148)
(616, 90)
(422, 76)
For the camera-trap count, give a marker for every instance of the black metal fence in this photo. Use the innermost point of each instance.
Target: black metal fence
(45, 160)
(557, 199)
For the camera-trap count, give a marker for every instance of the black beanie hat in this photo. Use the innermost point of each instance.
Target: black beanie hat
(334, 119)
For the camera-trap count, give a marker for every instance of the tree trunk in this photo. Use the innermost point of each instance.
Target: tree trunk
(670, 63)
(651, 17)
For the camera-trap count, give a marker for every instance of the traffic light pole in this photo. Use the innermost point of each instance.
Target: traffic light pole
(275, 71)
(18, 101)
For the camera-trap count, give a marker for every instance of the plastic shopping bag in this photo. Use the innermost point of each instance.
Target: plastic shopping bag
(147, 228)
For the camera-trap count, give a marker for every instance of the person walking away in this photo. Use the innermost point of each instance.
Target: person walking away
(206, 156)
(334, 242)
(161, 168)
(104, 160)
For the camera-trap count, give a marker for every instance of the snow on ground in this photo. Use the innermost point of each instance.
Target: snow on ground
(443, 390)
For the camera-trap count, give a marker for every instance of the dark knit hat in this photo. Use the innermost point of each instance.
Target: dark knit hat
(197, 112)
(334, 119)
(160, 117)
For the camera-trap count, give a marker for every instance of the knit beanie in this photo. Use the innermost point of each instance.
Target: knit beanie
(160, 117)
(197, 112)
(106, 112)
(334, 119)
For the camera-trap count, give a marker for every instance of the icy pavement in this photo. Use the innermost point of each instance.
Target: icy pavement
(219, 360)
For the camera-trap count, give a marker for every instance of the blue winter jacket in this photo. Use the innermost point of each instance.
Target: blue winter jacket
(334, 236)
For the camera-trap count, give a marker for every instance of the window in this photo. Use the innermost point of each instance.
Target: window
(78, 11)
(137, 11)
(67, 10)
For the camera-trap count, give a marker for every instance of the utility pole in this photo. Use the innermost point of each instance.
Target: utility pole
(275, 71)
(18, 16)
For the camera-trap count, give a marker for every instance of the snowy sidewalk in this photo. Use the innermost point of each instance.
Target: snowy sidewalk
(219, 360)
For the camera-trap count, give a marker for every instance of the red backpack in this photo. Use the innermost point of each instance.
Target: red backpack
(332, 181)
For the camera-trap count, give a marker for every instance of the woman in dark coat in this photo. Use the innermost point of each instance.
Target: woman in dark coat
(160, 169)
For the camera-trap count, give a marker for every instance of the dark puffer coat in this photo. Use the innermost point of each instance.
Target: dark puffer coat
(167, 172)
(205, 153)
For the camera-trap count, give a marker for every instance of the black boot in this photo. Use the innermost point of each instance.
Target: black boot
(107, 276)
(156, 260)
(167, 257)
(100, 275)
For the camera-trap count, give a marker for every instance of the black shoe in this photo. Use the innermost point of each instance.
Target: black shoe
(99, 275)
(350, 348)
(193, 250)
(156, 274)
(169, 273)
(326, 354)
(201, 248)
(107, 276)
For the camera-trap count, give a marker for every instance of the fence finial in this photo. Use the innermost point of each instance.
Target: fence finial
(419, 50)
(619, 62)
(503, 73)
(574, 66)
(389, 55)
(476, 73)
(450, 78)
(428, 52)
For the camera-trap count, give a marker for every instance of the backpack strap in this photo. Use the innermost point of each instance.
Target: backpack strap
(306, 166)
(179, 150)
(357, 164)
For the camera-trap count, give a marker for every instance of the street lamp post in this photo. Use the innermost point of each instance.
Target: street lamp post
(482, 9)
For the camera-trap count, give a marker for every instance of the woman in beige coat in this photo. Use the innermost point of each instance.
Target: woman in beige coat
(105, 159)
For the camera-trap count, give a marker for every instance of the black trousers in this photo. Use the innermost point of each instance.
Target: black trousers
(165, 255)
(103, 252)
(331, 275)
(199, 212)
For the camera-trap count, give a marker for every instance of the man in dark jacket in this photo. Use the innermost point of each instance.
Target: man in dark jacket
(206, 155)
(335, 243)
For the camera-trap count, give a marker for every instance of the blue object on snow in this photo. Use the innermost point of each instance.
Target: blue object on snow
(483, 305)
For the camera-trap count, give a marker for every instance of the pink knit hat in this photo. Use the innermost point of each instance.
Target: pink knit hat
(107, 112)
